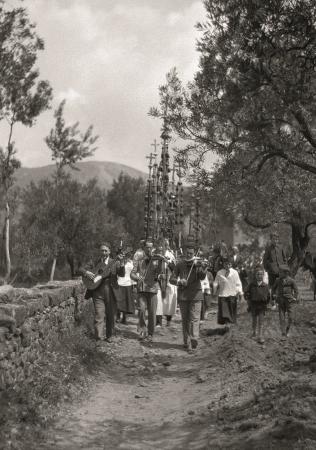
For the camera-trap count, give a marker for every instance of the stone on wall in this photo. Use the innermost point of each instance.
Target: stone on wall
(6, 293)
(31, 320)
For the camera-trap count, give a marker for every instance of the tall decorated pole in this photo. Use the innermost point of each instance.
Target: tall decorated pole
(164, 170)
(164, 196)
(197, 221)
(195, 226)
(148, 227)
(155, 181)
(179, 221)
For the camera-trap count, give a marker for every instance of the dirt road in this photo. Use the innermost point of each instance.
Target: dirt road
(233, 393)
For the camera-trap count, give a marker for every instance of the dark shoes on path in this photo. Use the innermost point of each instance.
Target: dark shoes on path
(192, 346)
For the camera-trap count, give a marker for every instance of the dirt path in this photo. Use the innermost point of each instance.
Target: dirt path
(233, 393)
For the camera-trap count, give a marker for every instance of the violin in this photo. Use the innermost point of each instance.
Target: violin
(159, 257)
(198, 261)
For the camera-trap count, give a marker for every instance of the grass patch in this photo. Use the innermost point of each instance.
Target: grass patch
(64, 373)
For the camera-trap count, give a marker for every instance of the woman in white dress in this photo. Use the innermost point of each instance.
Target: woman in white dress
(167, 294)
(125, 300)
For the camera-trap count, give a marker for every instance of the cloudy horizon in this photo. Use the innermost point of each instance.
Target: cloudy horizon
(107, 58)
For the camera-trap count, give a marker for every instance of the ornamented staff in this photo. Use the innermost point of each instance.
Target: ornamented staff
(164, 228)
(179, 222)
(148, 198)
(195, 219)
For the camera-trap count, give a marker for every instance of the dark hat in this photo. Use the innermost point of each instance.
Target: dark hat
(226, 259)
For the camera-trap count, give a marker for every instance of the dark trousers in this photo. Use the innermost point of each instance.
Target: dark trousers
(227, 310)
(272, 279)
(190, 315)
(285, 308)
(147, 301)
(205, 305)
(159, 319)
(103, 312)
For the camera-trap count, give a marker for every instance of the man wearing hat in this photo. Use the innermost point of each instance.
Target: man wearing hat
(274, 256)
(187, 275)
(286, 294)
(146, 271)
(103, 295)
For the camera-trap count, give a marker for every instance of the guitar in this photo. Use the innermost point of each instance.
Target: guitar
(91, 281)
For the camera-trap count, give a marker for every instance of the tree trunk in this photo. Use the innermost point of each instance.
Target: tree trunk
(71, 262)
(300, 242)
(29, 265)
(2, 250)
(52, 272)
(7, 242)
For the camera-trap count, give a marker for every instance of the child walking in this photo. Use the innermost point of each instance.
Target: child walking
(286, 293)
(258, 296)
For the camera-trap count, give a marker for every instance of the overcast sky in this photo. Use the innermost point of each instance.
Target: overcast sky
(107, 58)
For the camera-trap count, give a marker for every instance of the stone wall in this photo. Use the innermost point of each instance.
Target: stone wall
(33, 319)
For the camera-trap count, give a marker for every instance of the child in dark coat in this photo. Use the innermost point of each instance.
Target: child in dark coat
(257, 295)
(286, 293)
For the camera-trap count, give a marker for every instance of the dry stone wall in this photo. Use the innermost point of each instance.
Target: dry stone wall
(33, 319)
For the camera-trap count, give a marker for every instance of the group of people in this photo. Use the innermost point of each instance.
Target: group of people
(155, 282)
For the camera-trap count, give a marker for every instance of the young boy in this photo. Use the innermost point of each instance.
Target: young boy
(286, 293)
(258, 296)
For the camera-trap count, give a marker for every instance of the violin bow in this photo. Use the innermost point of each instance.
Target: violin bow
(191, 268)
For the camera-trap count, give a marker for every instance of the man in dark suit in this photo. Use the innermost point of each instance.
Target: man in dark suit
(187, 275)
(103, 296)
(236, 260)
(147, 271)
(274, 257)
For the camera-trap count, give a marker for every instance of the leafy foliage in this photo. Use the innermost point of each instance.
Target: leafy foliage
(68, 220)
(256, 86)
(67, 144)
(252, 103)
(22, 96)
(126, 201)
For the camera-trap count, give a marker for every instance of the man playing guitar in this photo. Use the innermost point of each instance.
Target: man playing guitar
(100, 285)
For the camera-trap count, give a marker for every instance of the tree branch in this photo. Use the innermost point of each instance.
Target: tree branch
(256, 224)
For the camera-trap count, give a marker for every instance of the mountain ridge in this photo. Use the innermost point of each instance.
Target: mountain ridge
(105, 172)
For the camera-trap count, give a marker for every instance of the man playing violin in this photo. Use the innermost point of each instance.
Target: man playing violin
(103, 295)
(187, 275)
(147, 271)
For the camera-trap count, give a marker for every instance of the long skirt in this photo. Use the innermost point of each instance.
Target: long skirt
(167, 306)
(125, 299)
(227, 310)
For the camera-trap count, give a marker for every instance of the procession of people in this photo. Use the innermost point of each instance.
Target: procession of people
(156, 281)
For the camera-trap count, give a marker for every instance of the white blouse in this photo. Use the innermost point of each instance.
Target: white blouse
(227, 286)
(126, 280)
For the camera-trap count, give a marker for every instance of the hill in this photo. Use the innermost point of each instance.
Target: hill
(104, 171)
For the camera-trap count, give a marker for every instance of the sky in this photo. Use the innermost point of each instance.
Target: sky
(107, 58)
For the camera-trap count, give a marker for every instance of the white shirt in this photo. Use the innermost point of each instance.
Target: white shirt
(227, 286)
(126, 280)
(205, 284)
(170, 256)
